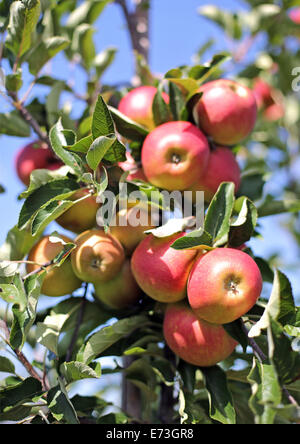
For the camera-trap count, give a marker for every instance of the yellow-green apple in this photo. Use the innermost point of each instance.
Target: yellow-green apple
(121, 292)
(36, 155)
(174, 155)
(224, 284)
(137, 105)
(161, 271)
(194, 340)
(82, 215)
(128, 231)
(226, 112)
(222, 167)
(59, 281)
(98, 256)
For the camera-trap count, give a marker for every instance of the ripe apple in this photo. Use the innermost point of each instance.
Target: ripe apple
(36, 155)
(98, 257)
(274, 112)
(137, 105)
(194, 340)
(126, 230)
(135, 172)
(81, 216)
(121, 292)
(222, 167)
(161, 271)
(226, 112)
(268, 100)
(59, 281)
(224, 284)
(174, 155)
(294, 15)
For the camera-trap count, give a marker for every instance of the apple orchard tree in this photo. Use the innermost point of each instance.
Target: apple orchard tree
(197, 328)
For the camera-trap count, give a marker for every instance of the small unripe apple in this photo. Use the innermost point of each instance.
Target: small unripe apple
(161, 271)
(222, 167)
(194, 340)
(126, 230)
(34, 156)
(174, 155)
(226, 112)
(137, 105)
(224, 284)
(82, 215)
(98, 257)
(59, 281)
(121, 292)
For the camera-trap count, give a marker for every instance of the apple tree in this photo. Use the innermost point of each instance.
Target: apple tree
(89, 336)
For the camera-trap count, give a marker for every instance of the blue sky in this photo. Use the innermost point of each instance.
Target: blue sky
(177, 32)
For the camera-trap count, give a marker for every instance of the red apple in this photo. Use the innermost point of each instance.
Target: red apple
(224, 284)
(194, 340)
(36, 155)
(174, 155)
(274, 112)
(263, 93)
(226, 112)
(137, 105)
(161, 271)
(121, 292)
(222, 167)
(135, 172)
(295, 15)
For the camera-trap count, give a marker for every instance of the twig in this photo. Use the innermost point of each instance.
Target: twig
(38, 270)
(257, 350)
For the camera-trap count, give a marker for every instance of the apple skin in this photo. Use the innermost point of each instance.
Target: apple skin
(161, 271)
(222, 167)
(59, 281)
(130, 236)
(226, 112)
(137, 105)
(194, 340)
(135, 172)
(98, 257)
(81, 216)
(174, 155)
(36, 155)
(224, 284)
(294, 15)
(121, 292)
(267, 101)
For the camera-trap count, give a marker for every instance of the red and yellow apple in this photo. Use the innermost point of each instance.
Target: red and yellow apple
(161, 271)
(137, 105)
(98, 256)
(36, 155)
(59, 281)
(82, 215)
(222, 167)
(226, 112)
(224, 284)
(194, 340)
(174, 155)
(121, 292)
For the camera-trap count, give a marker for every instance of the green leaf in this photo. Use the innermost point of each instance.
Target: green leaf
(76, 371)
(197, 238)
(17, 245)
(188, 85)
(202, 73)
(217, 220)
(280, 304)
(271, 207)
(20, 393)
(45, 51)
(87, 12)
(127, 127)
(60, 405)
(98, 150)
(242, 228)
(22, 23)
(177, 101)
(220, 400)
(102, 123)
(160, 109)
(82, 145)
(103, 60)
(12, 124)
(235, 330)
(6, 365)
(83, 44)
(14, 82)
(48, 332)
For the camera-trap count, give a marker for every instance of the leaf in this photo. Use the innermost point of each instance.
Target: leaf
(236, 332)
(76, 371)
(48, 332)
(108, 336)
(173, 226)
(103, 60)
(188, 85)
(220, 400)
(177, 101)
(17, 245)
(82, 145)
(20, 393)
(45, 51)
(98, 150)
(271, 207)
(242, 228)
(197, 238)
(217, 220)
(280, 304)
(160, 109)
(12, 124)
(60, 405)
(127, 127)
(83, 44)
(6, 365)
(202, 73)
(22, 23)
(87, 12)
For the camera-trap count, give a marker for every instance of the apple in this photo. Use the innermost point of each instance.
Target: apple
(135, 171)
(161, 271)
(294, 15)
(274, 112)
(98, 257)
(174, 155)
(226, 112)
(222, 167)
(126, 230)
(82, 215)
(36, 155)
(268, 100)
(121, 292)
(59, 281)
(224, 284)
(194, 340)
(137, 105)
